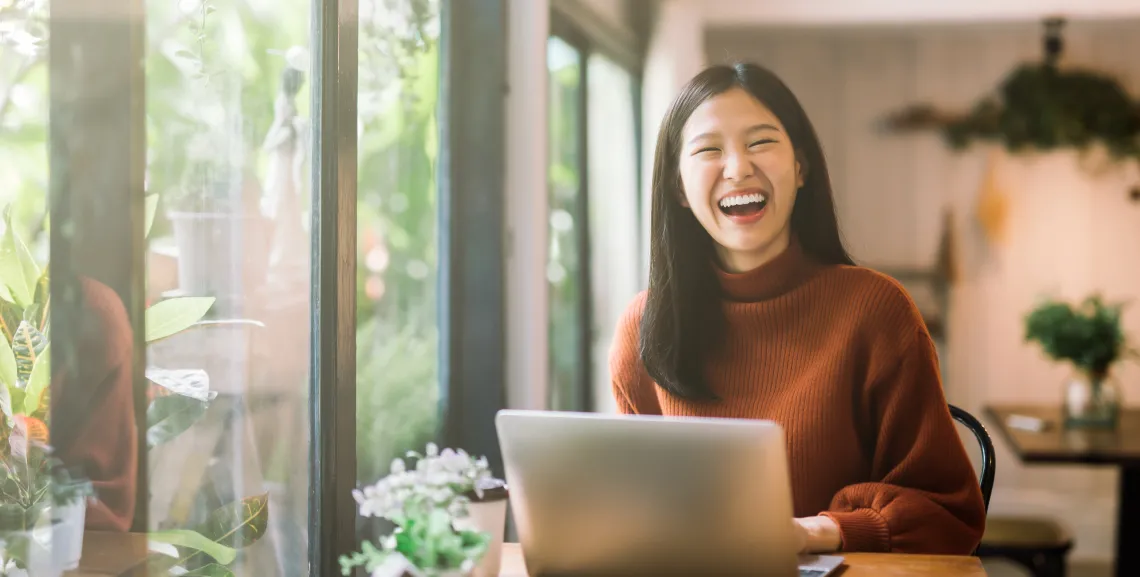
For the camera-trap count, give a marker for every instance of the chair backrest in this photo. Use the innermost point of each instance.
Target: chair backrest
(989, 464)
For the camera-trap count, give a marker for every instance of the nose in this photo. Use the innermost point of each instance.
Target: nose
(738, 165)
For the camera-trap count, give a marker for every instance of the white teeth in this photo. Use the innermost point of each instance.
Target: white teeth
(742, 199)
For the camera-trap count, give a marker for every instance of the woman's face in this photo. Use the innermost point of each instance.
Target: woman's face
(740, 176)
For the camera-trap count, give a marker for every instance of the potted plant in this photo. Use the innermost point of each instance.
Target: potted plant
(43, 504)
(1089, 337)
(218, 230)
(448, 512)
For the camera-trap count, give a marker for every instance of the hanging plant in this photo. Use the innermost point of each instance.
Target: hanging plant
(1039, 106)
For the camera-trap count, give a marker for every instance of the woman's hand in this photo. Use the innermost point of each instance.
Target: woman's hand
(817, 535)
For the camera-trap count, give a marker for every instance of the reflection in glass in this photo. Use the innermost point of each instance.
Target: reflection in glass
(227, 104)
(565, 264)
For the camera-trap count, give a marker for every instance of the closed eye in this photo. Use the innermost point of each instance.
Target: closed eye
(761, 141)
(706, 149)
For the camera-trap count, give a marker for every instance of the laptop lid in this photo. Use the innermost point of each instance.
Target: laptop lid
(596, 494)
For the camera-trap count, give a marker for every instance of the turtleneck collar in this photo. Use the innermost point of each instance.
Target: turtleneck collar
(783, 273)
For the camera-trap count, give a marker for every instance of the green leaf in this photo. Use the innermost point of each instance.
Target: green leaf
(10, 317)
(5, 401)
(193, 383)
(238, 524)
(169, 416)
(38, 382)
(17, 397)
(151, 206)
(18, 269)
(196, 541)
(27, 344)
(175, 315)
(7, 365)
(211, 570)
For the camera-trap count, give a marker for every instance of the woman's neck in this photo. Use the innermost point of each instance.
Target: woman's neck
(787, 270)
(739, 262)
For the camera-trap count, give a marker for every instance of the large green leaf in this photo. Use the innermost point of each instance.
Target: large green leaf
(196, 541)
(168, 416)
(211, 570)
(10, 317)
(5, 402)
(151, 206)
(18, 270)
(238, 524)
(193, 383)
(38, 382)
(41, 303)
(27, 344)
(7, 364)
(175, 315)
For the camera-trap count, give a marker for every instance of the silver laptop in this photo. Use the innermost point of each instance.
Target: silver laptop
(595, 494)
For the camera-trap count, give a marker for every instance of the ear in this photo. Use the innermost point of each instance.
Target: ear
(801, 171)
(681, 198)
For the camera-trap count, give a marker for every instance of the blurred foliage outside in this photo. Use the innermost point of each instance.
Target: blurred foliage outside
(214, 68)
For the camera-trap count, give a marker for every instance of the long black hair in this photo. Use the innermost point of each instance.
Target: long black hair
(683, 318)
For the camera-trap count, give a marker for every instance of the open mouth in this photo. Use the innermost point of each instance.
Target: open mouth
(743, 205)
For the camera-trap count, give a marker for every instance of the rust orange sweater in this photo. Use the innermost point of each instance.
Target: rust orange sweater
(838, 356)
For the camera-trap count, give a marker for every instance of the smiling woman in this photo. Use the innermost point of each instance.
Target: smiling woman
(754, 310)
(740, 170)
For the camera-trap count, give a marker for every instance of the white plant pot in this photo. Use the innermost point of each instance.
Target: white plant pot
(32, 547)
(487, 517)
(398, 566)
(67, 534)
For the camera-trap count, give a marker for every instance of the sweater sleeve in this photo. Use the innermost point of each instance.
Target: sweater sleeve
(98, 432)
(923, 496)
(633, 390)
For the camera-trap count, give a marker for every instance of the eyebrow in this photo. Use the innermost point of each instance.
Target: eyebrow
(756, 128)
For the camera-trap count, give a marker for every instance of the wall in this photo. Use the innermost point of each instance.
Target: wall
(781, 12)
(613, 12)
(526, 171)
(675, 54)
(1068, 233)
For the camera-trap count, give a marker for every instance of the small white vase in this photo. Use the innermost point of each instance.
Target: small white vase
(488, 516)
(67, 534)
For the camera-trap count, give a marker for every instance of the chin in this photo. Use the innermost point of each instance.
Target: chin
(750, 245)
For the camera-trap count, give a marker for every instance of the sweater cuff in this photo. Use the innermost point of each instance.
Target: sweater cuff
(862, 530)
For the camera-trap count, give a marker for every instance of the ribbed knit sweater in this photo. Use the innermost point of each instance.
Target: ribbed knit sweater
(839, 356)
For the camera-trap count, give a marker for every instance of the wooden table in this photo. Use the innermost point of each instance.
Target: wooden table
(855, 565)
(116, 554)
(1056, 445)
(110, 554)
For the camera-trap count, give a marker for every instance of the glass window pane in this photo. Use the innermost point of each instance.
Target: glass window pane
(613, 209)
(227, 107)
(565, 264)
(397, 273)
(24, 121)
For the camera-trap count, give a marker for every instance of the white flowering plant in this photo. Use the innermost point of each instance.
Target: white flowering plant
(424, 502)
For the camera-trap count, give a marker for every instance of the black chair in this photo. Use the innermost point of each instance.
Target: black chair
(989, 463)
(1039, 545)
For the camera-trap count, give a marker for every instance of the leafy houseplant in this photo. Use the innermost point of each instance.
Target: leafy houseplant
(429, 504)
(33, 484)
(1041, 106)
(1090, 338)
